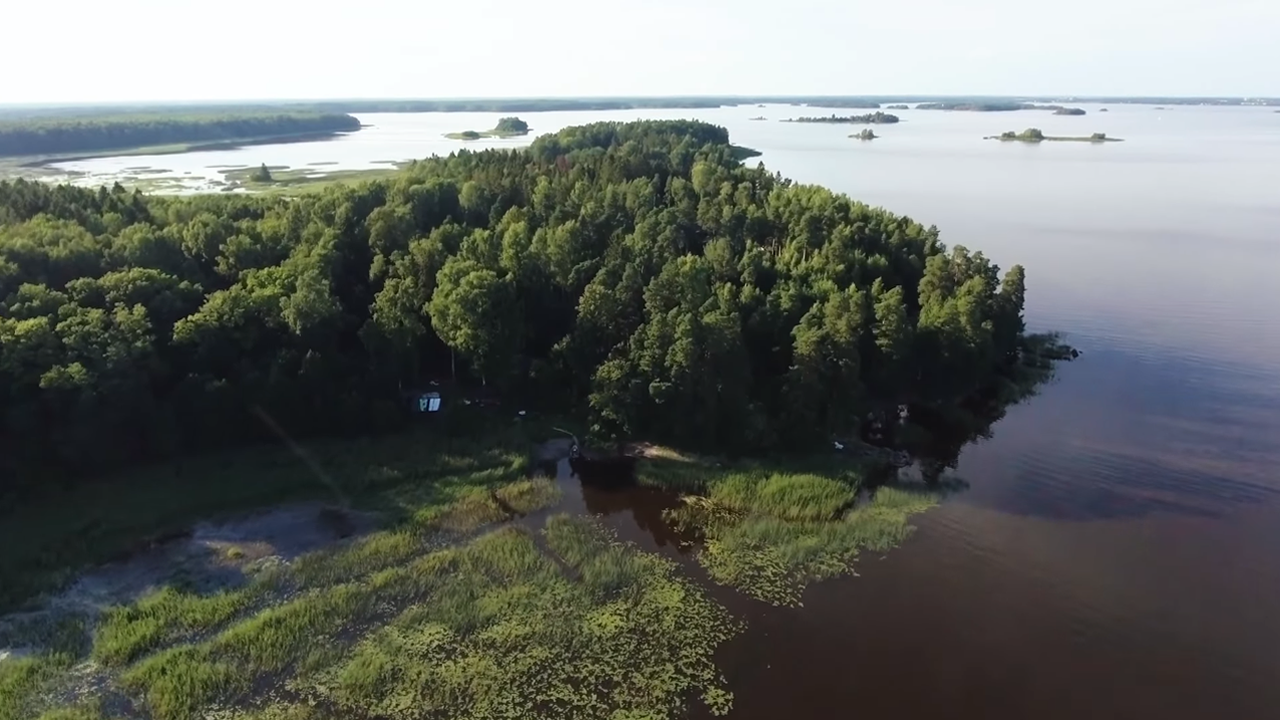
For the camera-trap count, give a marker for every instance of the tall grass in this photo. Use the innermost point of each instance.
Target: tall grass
(771, 532)
(784, 495)
(513, 634)
(126, 633)
(23, 681)
(497, 627)
(50, 538)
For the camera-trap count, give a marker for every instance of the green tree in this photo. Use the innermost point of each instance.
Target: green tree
(475, 312)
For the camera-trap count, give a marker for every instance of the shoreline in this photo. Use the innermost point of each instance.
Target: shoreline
(44, 161)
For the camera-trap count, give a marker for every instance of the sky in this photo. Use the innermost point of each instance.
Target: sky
(157, 50)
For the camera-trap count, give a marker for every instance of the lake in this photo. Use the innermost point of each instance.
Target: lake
(1118, 552)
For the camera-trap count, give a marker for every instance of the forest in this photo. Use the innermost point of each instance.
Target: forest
(637, 273)
(62, 135)
(875, 118)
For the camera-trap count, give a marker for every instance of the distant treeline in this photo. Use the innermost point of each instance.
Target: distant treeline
(53, 136)
(512, 105)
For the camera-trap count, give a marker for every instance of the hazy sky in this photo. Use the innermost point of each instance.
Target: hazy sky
(91, 51)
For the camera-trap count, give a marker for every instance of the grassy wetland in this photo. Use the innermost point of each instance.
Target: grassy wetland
(458, 589)
(770, 530)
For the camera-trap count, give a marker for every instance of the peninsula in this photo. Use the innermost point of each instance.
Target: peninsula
(875, 118)
(506, 127)
(49, 139)
(344, 352)
(1034, 135)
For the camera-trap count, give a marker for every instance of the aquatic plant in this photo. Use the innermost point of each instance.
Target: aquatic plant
(426, 620)
(512, 632)
(771, 534)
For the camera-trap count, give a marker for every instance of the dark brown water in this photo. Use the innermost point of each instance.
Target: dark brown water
(1117, 554)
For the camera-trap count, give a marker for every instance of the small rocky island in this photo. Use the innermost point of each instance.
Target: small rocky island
(1034, 135)
(867, 134)
(761, 117)
(506, 127)
(875, 118)
(1069, 111)
(897, 107)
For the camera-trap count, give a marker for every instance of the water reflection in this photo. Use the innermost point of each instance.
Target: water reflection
(1185, 443)
(644, 507)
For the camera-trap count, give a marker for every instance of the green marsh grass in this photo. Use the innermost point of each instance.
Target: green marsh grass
(507, 633)
(770, 532)
(55, 536)
(88, 711)
(24, 681)
(126, 633)
(559, 623)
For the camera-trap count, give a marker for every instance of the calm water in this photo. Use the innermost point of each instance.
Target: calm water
(1118, 553)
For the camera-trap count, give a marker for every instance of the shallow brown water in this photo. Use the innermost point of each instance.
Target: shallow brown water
(1076, 577)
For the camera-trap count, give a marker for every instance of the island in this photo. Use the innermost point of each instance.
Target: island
(898, 107)
(1106, 110)
(975, 106)
(506, 127)
(761, 117)
(261, 175)
(867, 134)
(1034, 135)
(875, 118)
(999, 106)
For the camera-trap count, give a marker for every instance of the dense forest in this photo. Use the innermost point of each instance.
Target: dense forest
(49, 136)
(638, 272)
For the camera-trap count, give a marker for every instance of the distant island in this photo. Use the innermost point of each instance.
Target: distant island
(852, 103)
(974, 106)
(1106, 110)
(998, 107)
(867, 134)
(261, 175)
(1034, 135)
(875, 118)
(506, 127)
(758, 118)
(897, 107)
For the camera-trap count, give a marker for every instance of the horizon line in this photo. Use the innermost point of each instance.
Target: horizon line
(880, 97)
